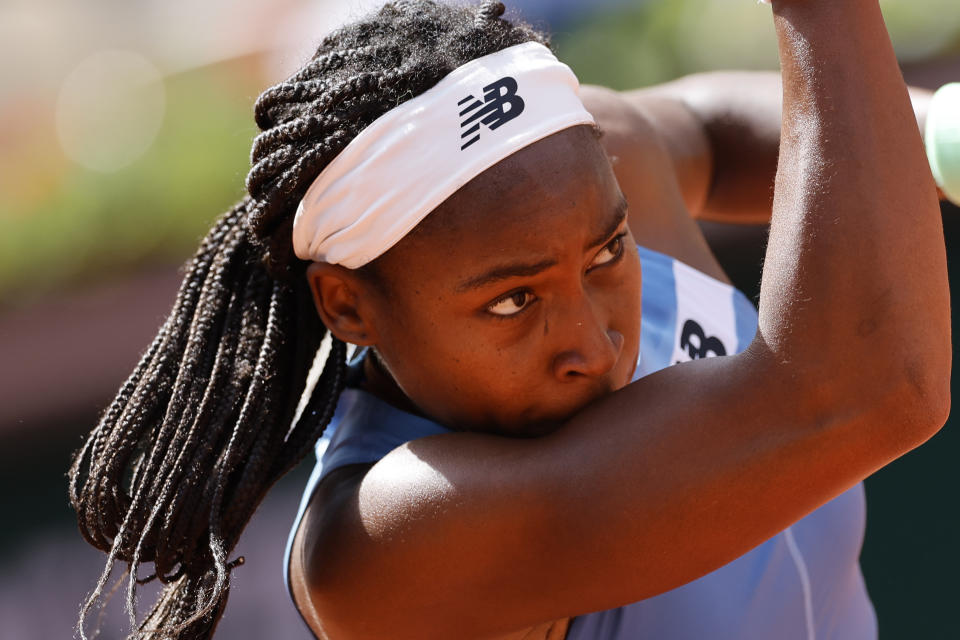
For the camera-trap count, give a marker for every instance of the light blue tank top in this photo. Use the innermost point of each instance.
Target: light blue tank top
(803, 584)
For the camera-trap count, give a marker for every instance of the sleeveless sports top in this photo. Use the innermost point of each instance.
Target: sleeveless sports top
(804, 583)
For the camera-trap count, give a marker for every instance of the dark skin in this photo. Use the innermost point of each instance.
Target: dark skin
(478, 535)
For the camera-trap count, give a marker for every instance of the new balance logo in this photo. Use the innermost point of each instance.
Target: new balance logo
(500, 105)
(696, 342)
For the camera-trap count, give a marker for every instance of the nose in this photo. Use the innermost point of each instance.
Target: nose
(593, 349)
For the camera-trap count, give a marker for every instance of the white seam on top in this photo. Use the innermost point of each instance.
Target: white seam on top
(804, 580)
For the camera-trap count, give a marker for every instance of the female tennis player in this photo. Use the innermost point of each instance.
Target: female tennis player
(511, 457)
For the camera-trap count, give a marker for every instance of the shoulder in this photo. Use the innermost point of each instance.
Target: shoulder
(626, 124)
(314, 541)
(410, 546)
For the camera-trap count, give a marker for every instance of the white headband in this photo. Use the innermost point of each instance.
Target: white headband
(415, 156)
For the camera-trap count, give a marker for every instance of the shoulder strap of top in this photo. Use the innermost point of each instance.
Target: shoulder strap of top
(368, 429)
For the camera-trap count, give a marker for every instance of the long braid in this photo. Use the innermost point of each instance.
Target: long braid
(205, 425)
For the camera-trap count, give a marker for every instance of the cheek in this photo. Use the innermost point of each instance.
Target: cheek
(466, 373)
(485, 362)
(438, 357)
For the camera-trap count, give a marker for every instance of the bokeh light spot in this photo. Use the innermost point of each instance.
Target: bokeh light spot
(110, 109)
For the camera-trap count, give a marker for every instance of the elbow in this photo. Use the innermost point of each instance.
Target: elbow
(900, 408)
(919, 402)
(892, 404)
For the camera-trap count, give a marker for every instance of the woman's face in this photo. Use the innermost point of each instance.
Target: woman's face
(517, 301)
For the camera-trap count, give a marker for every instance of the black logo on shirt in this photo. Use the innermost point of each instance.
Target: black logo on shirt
(696, 342)
(500, 105)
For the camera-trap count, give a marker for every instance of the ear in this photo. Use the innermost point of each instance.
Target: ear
(342, 300)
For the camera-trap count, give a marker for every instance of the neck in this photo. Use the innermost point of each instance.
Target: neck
(379, 382)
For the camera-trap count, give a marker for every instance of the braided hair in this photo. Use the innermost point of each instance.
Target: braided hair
(206, 422)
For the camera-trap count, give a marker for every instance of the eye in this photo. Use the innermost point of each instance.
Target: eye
(511, 304)
(611, 252)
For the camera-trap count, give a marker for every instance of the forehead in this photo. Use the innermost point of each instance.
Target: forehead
(531, 202)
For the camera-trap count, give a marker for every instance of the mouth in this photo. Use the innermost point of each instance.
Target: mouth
(538, 422)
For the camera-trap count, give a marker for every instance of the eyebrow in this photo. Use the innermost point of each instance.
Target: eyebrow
(527, 269)
(513, 270)
(620, 212)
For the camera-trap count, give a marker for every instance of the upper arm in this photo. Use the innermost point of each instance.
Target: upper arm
(654, 138)
(722, 134)
(467, 535)
(738, 113)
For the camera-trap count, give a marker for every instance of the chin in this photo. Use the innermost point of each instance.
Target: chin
(537, 422)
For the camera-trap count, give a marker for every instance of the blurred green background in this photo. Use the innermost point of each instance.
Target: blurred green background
(125, 130)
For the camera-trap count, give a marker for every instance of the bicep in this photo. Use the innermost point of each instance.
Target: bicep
(643, 491)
